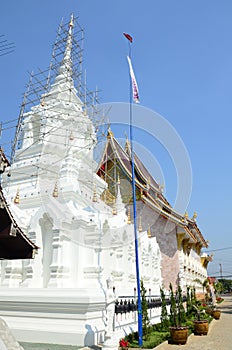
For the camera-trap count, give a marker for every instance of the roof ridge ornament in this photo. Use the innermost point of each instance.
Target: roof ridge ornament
(110, 133)
(194, 216)
(127, 146)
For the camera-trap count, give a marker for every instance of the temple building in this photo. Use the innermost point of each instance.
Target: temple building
(79, 214)
(178, 236)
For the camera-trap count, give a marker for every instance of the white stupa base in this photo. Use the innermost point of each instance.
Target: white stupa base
(56, 316)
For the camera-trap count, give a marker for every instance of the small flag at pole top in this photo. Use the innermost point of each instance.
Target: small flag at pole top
(135, 89)
(128, 37)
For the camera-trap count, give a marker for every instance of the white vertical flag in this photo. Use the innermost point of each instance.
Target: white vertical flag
(135, 89)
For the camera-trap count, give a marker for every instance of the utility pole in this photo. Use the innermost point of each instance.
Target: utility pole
(220, 270)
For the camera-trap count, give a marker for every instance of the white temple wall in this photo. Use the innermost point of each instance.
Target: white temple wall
(192, 273)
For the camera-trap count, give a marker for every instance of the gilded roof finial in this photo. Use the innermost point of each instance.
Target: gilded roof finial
(194, 216)
(127, 146)
(128, 216)
(17, 199)
(110, 133)
(140, 224)
(55, 191)
(149, 232)
(94, 193)
(186, 215)
(114, 211)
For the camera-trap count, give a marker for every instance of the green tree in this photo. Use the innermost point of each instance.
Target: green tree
(164, 313)
(181, 310)
(218, 287)
(145, 317)
(173, 308)
(227, 284)
(177, 311)
(188, 301)
(193, 296)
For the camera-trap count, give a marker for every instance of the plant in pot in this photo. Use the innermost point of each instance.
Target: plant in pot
(201, 325)
(214, 312)
(178, 333)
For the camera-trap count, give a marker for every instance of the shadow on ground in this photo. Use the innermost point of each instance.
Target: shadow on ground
(42, 346)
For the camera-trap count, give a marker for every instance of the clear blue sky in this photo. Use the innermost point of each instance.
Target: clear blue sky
(182, 54)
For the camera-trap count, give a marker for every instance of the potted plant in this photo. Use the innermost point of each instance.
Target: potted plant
(124, 344)
(178, 333)
(213, 311)
(201, 326)
(216, 313)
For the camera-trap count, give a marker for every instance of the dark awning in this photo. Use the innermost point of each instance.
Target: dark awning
(13, 242)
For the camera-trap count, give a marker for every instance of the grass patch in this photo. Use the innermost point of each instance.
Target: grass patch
(154, 339)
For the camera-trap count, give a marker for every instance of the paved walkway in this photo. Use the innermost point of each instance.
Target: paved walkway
(219, 336)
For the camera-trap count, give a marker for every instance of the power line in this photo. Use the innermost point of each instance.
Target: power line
(219, 249)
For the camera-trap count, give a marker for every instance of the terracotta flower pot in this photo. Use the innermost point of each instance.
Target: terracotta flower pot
(208, 311)
(216, 314)
(201, 327)
(179, 335)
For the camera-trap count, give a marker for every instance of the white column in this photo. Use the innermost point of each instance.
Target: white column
(58, 272)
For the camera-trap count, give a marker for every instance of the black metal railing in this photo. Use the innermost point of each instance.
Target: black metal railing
(125, 304)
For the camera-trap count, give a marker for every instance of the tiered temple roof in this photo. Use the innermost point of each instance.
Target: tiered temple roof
(117, 160)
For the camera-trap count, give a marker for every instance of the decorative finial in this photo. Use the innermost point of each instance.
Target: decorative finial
(110, 134)
(55, 191)
(94, 193)
(71, 21)
(128, 216)
(186, 215)
(114, 211)
(42, 103)
(194, 216)
(140, 224)
(127, 146)
(149, 232)
(17, 199)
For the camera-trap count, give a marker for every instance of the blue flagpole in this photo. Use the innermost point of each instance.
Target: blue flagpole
(140, 326)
